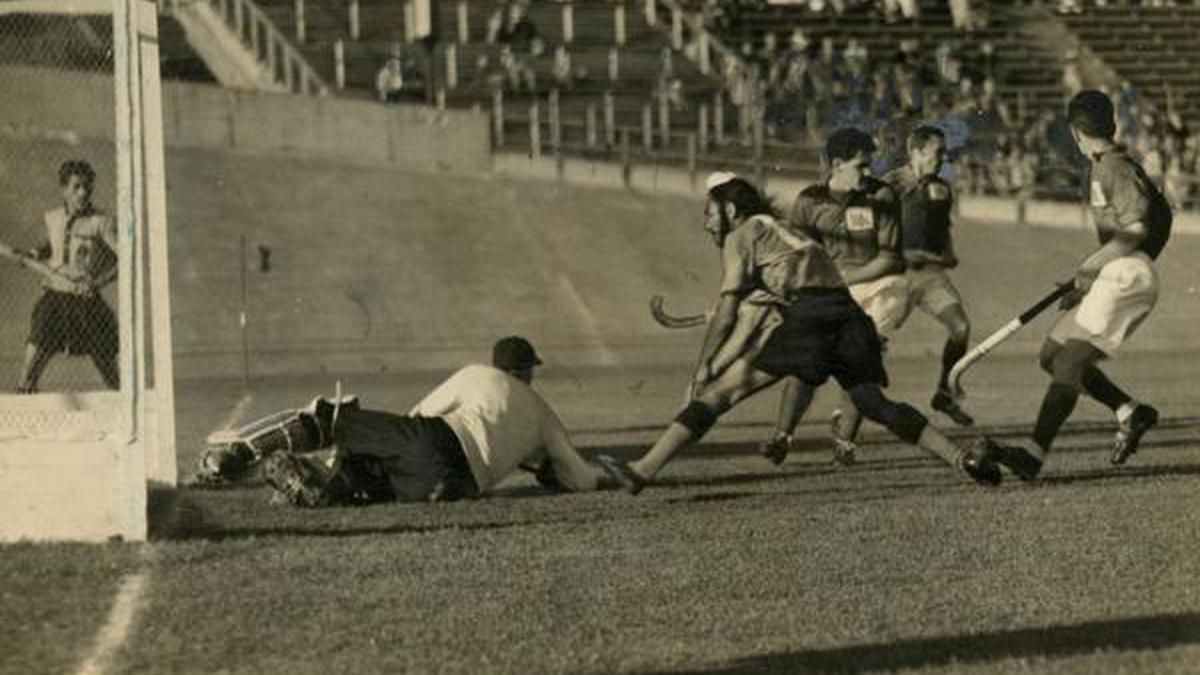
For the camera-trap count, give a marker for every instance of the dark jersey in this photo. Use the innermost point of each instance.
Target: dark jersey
(1121, 194)
(854, 226)
(925, 206)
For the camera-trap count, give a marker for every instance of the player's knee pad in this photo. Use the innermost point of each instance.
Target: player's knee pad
(908, 422)
(900, 418)
(698, 418)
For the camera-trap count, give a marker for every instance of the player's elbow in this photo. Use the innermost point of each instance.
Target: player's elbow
(1129, 238)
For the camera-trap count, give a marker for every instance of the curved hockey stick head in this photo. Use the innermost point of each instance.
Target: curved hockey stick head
(981, 350)
(667, 321)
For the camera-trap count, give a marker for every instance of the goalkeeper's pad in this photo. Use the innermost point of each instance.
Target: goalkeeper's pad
(231, 454)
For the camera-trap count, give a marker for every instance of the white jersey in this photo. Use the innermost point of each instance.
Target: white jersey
(502, 423)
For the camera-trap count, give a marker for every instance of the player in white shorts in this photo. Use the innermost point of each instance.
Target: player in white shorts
(855, 217)
(1116, 287)
(926, 202)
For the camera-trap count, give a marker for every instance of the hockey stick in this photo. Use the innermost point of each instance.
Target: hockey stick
(1001, 335)
(26, 261)
(667, 321)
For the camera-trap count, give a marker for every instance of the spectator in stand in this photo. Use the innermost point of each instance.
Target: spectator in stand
(1069, 7)
(909, 9)
(518, 75)
(949, 66)
(993, 113)
(967, 15)
(1175, 184)
(1015, 170)
(565, 74)
(987, 58)
(1154, 163)
(790, 91)
(389, 81)
(882, 105)
(515, 28)
(909, 93)
(1072, 77)
(1176, 126)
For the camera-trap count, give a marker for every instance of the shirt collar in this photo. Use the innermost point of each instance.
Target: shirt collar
(1112, 149)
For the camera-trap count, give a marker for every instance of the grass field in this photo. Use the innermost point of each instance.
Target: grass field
(728, 565)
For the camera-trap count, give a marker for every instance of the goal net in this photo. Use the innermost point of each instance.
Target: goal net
(86, 409)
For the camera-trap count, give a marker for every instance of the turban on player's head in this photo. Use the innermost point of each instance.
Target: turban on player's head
(717, 179)
(1090, 112)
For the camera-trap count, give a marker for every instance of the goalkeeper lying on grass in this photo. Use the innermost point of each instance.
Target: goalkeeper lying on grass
(467, 435)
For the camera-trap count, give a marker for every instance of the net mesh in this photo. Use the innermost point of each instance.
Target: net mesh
(57, 197)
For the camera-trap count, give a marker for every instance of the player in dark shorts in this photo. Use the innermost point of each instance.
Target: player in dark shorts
(1116, 287)
(814, 331)
(460, 441)
(71, 316)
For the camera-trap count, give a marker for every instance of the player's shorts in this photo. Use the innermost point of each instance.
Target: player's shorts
(76, 324)
(885, 300)
(824, 334)
(1121, 297)
(422, 457)
(930, 288)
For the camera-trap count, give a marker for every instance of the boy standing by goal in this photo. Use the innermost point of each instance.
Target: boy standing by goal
(71, 317)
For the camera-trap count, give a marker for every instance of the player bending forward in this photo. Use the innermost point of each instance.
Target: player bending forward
(814, 330)
(1115, 289)
(468, 434)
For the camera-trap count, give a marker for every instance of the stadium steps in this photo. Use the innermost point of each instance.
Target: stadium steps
(1152, 47)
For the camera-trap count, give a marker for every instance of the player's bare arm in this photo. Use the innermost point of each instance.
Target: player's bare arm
(884, 263)
(1124, 242)
(719, 328)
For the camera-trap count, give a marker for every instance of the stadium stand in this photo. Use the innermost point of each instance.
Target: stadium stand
(1000, 79)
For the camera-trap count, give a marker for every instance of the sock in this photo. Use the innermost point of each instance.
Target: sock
(1125, 410)
(1057, 406)
(1098, 386)
(951, 353)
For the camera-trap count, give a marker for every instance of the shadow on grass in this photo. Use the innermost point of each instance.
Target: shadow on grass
(1137, 633)
(1121, 473)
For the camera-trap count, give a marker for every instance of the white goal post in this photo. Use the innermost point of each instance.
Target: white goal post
(76, 461)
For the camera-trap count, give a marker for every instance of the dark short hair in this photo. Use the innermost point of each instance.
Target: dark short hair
(1090, 112)
(919, 137)
(513, 353)
(746, 198)
(847, 142)
(76, 167)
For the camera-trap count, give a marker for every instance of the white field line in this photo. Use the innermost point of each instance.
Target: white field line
(607, 357)
(120, 619)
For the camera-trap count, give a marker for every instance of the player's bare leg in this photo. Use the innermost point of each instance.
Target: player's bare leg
(739, 381)
(35, 363)
(106, 365)
(793, 404)
(844, 426)
(958, 328)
